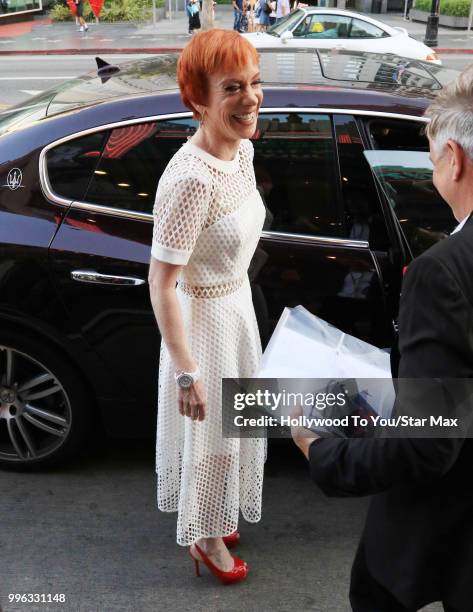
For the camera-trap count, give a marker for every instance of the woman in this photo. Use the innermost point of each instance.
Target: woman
(193, 9)
(80, 15)
(208, 220)
(263, 19)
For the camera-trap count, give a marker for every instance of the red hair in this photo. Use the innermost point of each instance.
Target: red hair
(207, 53)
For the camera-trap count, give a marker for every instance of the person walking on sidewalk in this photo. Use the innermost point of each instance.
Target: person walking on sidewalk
(80, 15)
(193, 9)
(237, 13)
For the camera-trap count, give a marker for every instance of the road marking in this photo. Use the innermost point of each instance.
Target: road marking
(32, 92)
(36, 78)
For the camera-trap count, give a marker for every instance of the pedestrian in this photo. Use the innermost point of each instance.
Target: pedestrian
(80, 15)
(251, 15)
(208, 219)
(244, 20)
(237, 14)
(417, 544)
(282, 9)
(193, 13)
(272, 15)
(263, 18)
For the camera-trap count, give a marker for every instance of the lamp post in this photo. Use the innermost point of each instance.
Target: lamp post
(432, 30)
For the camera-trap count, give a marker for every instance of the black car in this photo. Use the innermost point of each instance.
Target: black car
(340, 160)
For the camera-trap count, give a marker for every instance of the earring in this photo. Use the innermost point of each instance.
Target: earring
(202, 118)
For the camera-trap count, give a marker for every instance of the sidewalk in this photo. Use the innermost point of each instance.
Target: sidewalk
(45, 37)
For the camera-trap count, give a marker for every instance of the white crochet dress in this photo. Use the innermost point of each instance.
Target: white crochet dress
(208, 217)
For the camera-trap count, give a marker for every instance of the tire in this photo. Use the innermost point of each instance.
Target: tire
(45, 408)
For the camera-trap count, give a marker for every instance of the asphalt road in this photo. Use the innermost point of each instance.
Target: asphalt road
(24, 76)
(91, 531)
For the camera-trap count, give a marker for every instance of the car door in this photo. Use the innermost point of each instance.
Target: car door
(401, 163)
(100, 255)
(327, 244)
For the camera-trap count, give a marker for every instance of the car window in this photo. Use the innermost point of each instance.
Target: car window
(363, 29)
(132, 162)
(285, 23)
(407, 182)
(295, 168)
(406, 179)
(323, 26)
(397, 134)
(70, 165)
(363, 212)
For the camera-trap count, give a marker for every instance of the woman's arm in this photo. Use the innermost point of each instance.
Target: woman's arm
(162, 284)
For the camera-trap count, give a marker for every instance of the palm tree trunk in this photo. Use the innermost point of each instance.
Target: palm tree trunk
(207, 15)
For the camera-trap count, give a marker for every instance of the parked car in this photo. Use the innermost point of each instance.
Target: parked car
(79, 166)
(343, 30)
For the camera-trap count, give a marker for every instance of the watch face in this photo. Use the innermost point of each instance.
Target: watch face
(185, 381)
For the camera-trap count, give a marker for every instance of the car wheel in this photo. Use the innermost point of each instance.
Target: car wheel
(45, 410)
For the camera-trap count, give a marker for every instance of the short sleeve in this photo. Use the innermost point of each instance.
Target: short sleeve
(180, 212)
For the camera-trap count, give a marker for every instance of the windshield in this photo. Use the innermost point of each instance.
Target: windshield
(286, 23)
(137, 77)
(32, 110)
(406, 180)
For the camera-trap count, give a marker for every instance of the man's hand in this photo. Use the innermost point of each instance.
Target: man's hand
(302, 436)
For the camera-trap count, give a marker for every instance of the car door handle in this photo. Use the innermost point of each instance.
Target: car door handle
(90, 276)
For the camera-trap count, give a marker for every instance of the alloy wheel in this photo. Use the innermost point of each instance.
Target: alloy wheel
(35, 411)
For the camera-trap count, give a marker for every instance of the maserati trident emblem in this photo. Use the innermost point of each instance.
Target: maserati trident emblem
(14, 179)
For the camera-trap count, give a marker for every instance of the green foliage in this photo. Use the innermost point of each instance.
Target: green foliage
(112, 10)
(454, 8)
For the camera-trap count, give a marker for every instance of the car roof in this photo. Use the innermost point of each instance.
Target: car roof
(350, 74)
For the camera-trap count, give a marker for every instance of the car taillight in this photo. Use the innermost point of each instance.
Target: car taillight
(432, 57)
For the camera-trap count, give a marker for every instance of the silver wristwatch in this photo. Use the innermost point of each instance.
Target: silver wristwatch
(185, 380)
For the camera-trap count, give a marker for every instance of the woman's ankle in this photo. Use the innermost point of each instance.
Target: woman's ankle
(210, 545)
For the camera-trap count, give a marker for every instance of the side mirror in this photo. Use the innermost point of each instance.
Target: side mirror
(285, 36)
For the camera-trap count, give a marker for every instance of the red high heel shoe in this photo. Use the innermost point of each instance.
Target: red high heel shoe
(238, 572)
(231, 540)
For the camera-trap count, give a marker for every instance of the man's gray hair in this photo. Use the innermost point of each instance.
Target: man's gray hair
(451, 115)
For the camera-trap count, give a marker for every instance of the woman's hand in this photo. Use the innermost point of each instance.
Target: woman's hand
(193, 401)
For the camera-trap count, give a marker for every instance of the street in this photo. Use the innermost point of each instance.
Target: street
(91, 530)
(25, 76)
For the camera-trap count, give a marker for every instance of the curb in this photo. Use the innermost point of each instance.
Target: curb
(453, 50)
(154, 50)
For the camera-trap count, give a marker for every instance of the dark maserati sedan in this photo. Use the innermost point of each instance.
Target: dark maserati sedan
(341, 163)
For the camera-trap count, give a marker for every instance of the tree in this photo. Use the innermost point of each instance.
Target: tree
(207, 21)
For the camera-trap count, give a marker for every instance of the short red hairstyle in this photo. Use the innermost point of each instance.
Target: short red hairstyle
(207, 53)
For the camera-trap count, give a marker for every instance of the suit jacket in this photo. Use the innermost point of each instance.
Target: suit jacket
(418, 536)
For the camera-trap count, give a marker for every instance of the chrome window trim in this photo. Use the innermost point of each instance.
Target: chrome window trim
(129, 214)
(321, 240)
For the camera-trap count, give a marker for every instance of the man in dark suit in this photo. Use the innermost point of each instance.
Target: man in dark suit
(417, 544)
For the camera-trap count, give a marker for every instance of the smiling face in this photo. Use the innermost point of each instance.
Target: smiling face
(233, 103)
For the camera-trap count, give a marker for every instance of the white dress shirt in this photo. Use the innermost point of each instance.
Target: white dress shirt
(460, 225)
